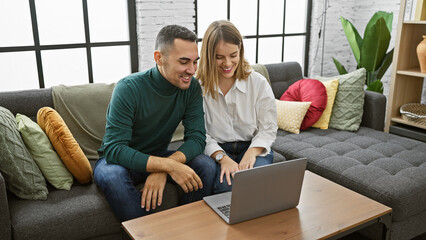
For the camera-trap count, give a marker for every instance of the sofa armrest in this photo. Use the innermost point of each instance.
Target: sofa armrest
(5, 224)
(374, 110)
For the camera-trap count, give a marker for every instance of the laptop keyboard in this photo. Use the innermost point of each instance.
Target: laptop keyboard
(225, 209)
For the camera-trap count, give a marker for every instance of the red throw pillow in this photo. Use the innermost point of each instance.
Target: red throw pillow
(308, 90)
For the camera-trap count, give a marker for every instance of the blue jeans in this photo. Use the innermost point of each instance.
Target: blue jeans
(236, 151)
(119, 185)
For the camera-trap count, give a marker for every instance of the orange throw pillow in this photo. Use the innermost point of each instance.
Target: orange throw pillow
(65, 145)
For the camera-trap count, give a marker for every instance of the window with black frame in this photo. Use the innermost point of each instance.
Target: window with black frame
(45, 43)
(273, 30)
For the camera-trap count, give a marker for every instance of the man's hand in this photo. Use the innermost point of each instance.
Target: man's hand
(185, 176)
(228, 167)
(174, 165)
(152, 192)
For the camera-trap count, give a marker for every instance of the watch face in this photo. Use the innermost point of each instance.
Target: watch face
(219, 156)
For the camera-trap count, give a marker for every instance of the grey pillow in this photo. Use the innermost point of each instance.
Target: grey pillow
(349, 103)
(22, 175)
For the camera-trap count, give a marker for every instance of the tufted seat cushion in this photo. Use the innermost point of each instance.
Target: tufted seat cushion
(384, 167)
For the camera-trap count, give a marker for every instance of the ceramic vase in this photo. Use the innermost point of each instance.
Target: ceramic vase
(421, 54)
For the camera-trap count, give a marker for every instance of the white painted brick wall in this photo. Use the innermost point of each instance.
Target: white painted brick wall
(152, 15)
(336, 45)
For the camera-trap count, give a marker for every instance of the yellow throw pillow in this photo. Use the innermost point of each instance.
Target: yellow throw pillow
(331, 88)
(291, 114)
(65, 145)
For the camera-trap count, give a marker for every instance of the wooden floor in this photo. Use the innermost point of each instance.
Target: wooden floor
(358, 236)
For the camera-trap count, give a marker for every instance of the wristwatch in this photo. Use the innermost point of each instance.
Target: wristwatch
(219, 157)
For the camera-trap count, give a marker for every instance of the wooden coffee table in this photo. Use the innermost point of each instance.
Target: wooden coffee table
(326, 211)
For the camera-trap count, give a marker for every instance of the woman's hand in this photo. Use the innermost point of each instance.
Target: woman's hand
(249, 157)
(228, 167)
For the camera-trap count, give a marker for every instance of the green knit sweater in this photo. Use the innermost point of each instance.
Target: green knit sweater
(143, 113)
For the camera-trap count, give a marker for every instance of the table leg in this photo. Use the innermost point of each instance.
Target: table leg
(387, 222)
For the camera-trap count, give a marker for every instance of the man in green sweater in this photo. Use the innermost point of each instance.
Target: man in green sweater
(143, 113)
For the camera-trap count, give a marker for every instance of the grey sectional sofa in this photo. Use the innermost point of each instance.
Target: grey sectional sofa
(384, 167)
(381, 166)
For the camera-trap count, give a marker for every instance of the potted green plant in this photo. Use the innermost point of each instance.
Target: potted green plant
(370, 51)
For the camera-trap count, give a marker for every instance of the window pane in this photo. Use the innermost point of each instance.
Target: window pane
(250, 50)
(271, 17)
(270, 50)
(12, 76)
(60, 21)
(110, 64)
(199, 45)
(108, 20)
(245, 20)
(294, 49)
(295, 16)
(15, 24)
(209, 11)
(67, 66)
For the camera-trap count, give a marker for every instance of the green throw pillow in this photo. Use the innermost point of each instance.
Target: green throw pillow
(349, 102)
(43, 153)
(23, 177)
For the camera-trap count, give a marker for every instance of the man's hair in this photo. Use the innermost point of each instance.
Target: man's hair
(168, 34)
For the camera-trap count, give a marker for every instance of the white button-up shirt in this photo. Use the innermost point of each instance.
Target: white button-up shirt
(246, 113)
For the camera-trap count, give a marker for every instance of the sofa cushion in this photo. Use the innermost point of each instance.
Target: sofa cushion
(65, 145)
(282, 75)
(82, 213)
(43, 153)
(384, 167)
(348, 105)
(23, 177)
(308, 90)
(290, 114)
(331, 88)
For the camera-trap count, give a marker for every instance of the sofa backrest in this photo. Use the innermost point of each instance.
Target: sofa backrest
(27, 102)
(282, 75)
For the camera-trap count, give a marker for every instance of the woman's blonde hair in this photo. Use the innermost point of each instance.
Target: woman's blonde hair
(207, 70)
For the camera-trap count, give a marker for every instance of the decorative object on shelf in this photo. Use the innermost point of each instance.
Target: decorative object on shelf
(414, 112)
(421, 54)
(420, 11)
(370, 51)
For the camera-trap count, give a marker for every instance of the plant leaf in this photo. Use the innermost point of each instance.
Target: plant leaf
(376, 86)
(369, 78)
(387, 16)
(339, 67)
(387, 60)
(375, 45)
(354, 39)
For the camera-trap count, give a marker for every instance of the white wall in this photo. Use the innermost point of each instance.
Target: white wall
(336, 45)
(152, 15)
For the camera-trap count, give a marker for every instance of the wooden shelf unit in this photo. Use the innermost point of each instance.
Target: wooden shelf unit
(406, 79)
(405, 122)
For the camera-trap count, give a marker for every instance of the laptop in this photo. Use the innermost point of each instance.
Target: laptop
(260, 191)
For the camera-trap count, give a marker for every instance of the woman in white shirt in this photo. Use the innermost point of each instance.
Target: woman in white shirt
(240, 110)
